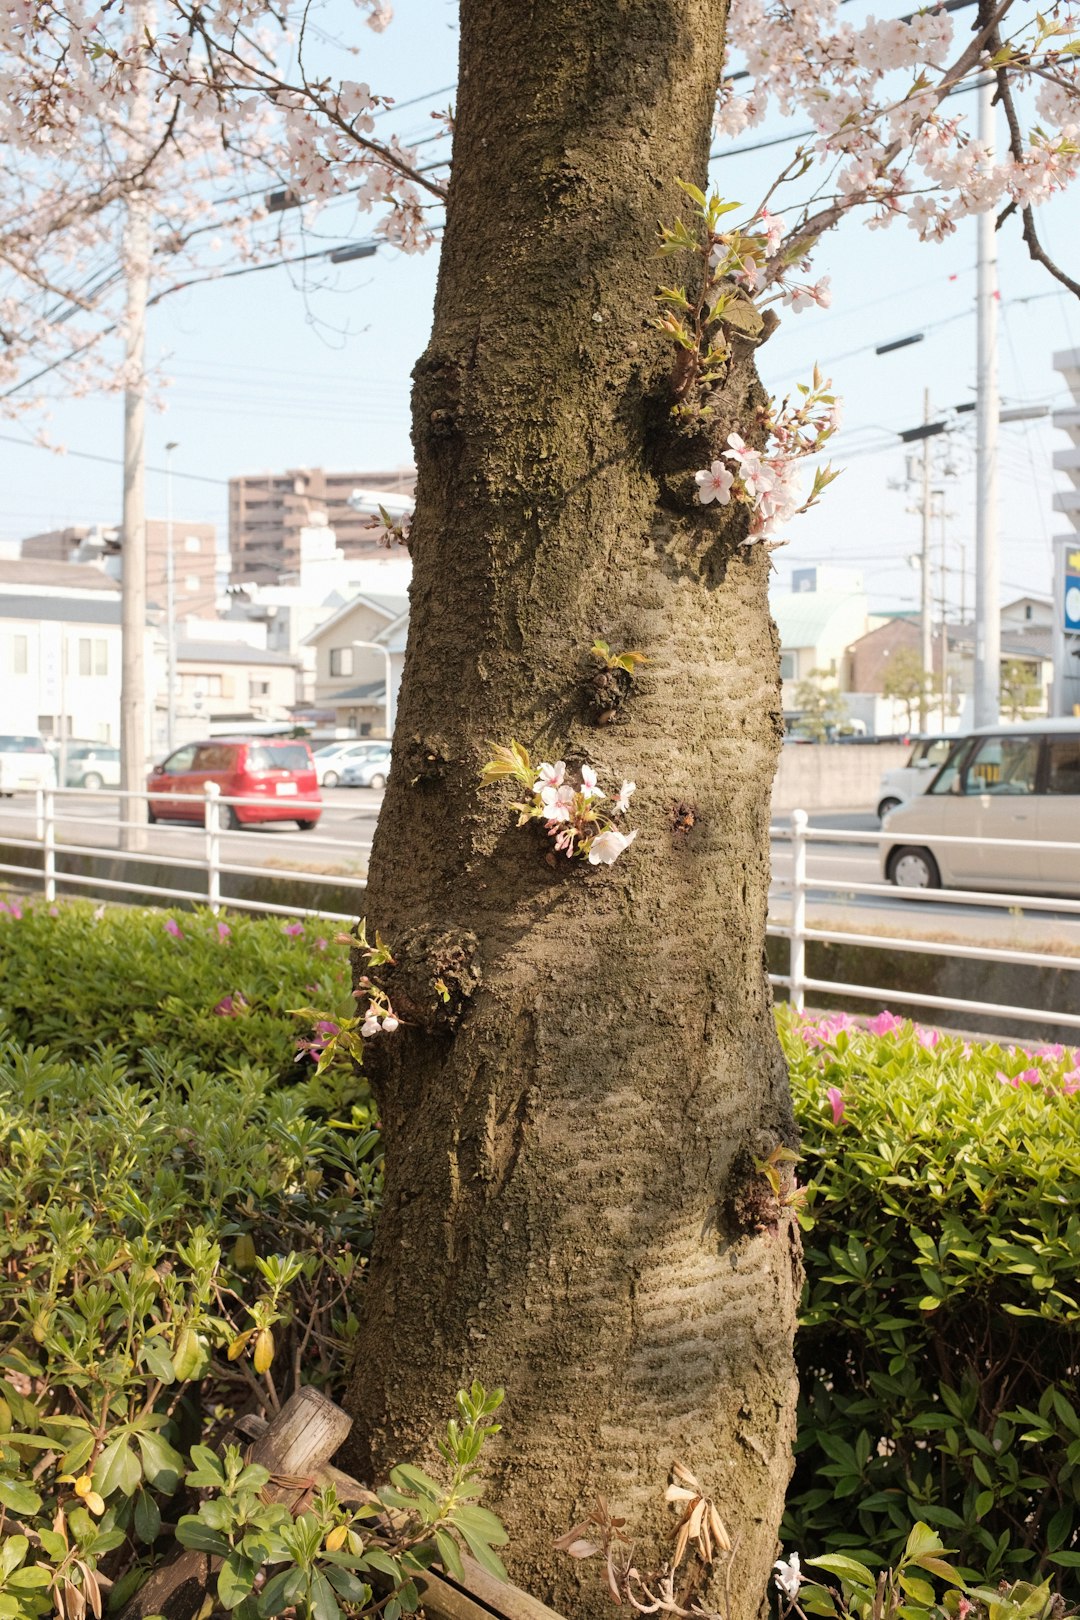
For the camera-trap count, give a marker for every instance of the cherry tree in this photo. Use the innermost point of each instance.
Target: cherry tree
(565, 1015)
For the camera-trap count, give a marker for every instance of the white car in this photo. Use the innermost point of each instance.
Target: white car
(369, 773)
(331, 760)
(1009, 793)
(25, 762)
(914, 776)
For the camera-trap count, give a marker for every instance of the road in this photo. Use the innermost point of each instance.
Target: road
(342, 841)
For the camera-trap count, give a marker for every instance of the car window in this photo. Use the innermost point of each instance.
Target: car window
(1063, 765)
(279, 757)
(1002, 765)
(214, 757)
(179, 762)
(937, 752)
(21, 745)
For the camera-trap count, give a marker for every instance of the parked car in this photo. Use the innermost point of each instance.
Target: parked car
(331, 760)
(25, 762)
(279, 772)
(93, 766)
(1006, 782)
(369, 773)
(914, 776)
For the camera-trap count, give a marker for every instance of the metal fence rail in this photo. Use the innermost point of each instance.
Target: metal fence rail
(798, 982)
(795, 889)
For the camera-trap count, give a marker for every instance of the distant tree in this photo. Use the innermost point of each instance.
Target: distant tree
(821, 704)
(1021, 692)
(908, 683)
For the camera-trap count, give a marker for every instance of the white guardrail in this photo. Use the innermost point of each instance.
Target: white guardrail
(798, 834)
(47, 816)
(797, 982)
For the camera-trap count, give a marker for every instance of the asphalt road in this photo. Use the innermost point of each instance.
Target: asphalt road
(342, 840)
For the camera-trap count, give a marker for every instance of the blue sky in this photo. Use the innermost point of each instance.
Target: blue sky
(269, 374)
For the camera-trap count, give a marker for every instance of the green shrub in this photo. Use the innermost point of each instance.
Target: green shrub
(940, 1347)
(78, 976)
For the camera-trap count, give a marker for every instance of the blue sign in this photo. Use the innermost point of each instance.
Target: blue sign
(1072, 592)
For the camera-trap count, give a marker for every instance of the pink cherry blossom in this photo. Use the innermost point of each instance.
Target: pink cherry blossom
(607, 846)
(589, 789)
(551, 776)
(621, 802)
(714, 484)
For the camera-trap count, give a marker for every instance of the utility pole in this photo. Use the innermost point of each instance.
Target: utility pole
(133, 529)
(987, 694)
(170, 605)
(925, 620)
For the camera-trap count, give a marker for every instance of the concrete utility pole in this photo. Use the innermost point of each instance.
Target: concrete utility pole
(987, 694)
(170, 605)
(925, 596)
(133, 529)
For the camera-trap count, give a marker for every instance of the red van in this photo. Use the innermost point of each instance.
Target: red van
(277, 771)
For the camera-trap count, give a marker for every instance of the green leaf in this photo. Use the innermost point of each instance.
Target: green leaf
(12, 1552)
(483, 1554)
(848, 1569)
(30, 1577)
(346, 1584)
(235, 1580)
(154, 1354)
(162, 1463)
(921, 1541)
(406, 1475)
(208, 1471)
(282, 1592)
(449, 1556)
(816, 1599)
(324, 1605)
(147, 1518)
(117, 1469)
(18, 1498)
(192, 1532)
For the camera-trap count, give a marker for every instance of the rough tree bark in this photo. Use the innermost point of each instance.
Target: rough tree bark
(572, 1208)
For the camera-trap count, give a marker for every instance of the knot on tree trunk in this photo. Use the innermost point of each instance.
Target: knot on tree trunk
(432, 977)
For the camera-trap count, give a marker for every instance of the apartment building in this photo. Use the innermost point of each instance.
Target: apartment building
(268, 511)
(194, 548)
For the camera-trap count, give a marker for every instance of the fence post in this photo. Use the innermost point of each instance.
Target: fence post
(212, 822)
(48, 843)
(797, 958)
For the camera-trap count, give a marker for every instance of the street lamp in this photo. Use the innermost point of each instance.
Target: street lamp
(376, 646)
(170, 605)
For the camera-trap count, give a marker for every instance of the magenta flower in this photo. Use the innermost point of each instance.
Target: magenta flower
(1070, 1082)
(884, 1023)
(173, 927)
(320, 944)
(293, 929)
(1055, 1052)
(821, 1033)
(927, 1038)
(1026, 1077)
(325, 1027)
(836, 1103)
(232, 1005)
(224, 931)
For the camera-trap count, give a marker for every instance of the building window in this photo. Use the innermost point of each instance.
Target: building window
(341, 660)
(787, 666)
(258, 689)
(192, 542)
(200, 686)
(192, 583)
(93, 656)
(19, 654)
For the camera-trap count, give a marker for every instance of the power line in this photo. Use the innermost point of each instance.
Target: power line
(112, 461)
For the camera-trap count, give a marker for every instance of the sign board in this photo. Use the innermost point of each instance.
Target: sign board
(1072, 591)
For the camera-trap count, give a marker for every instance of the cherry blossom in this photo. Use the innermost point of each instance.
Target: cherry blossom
(714, 484)
(787, 1575)
(621, 802)
(607, 846)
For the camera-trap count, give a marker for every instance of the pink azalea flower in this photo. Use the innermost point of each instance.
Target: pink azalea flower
(320, 944)
(224, 931)
(884, 1023)
(173, 927)
(324, 1026)
(1055, 1052)
(226, 1007)
(293, 929)
(1070, 1082)
(1026, 1077)
(836, 1103)
(927, 1038)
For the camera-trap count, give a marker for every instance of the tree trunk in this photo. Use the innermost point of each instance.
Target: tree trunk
(572, 1206)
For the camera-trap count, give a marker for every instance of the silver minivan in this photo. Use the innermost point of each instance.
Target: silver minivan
(1005, 782)
(913, 777)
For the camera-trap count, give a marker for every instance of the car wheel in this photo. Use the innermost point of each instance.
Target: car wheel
(151, 814)
(911, 868)
(306, 826)
(377, 782)
(229, 817)
(331, 779)
(92, 782)
(885, 806)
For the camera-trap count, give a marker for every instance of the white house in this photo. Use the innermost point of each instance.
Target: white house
(355, 649)
(817, 619)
